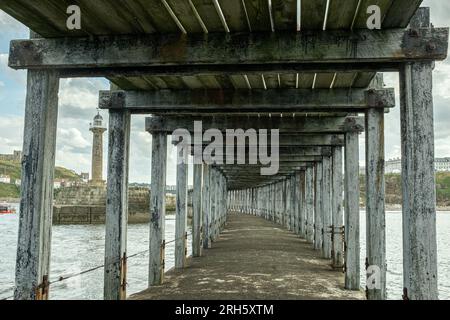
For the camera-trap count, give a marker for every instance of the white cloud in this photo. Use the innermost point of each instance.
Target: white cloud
(11, 139)
(18, 77)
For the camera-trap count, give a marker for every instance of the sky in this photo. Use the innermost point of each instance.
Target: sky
(78, 100)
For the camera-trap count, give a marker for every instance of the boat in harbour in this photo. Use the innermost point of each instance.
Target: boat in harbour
(6, 209)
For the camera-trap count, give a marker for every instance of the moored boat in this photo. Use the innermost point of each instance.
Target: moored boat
(6, 209)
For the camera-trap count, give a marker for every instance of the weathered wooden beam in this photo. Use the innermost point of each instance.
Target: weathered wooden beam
(197, 221)
(351, 189)
(297, 203)
(181, 210)
(117, 206)
(375, 207)
(309, 204)
(36, 204)
(302, 204)
(300, 151)
(230, 70)
(331, 125)
(326, 207)
(247, 101)
(318, 222)
(418, 183)
(389, 45)
(206, 205)
(157, 209)
(337, 210)
(292, 143)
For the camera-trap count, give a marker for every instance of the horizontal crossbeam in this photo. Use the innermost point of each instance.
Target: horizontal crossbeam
(330, 125)
(390, 45)
(247, 101)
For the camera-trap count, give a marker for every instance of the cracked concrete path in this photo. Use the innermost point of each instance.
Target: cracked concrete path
(254, 259)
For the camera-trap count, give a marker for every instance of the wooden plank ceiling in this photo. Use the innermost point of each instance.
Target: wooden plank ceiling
(107, 17)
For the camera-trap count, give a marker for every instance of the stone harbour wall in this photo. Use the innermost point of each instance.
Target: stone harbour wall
(87, 205)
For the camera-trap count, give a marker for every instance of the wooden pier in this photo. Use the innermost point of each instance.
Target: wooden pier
(309, 70)
(254, 258)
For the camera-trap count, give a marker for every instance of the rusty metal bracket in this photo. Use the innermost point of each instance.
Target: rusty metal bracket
(405, 294)
(42, 289)
(123, 273)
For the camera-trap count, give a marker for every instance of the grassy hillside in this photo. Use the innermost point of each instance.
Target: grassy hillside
(13, 170)
(394, 188)
(9, 191)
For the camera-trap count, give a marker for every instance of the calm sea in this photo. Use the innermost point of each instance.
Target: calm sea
(77, 248)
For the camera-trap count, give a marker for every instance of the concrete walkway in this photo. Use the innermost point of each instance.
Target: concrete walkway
(254, 259)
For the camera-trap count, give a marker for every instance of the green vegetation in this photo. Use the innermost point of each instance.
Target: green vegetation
(443, 188)
(394, 188)
(9, 191)
(13, 169)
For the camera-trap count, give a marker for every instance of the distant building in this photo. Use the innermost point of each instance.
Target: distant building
(442, 164)
(16, 156)
(18, 182)
(5, 179)
(395, 165)
(61, 183)
(85, 177)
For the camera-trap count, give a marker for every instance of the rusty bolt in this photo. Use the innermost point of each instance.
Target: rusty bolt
(431, 47)
(413, 33)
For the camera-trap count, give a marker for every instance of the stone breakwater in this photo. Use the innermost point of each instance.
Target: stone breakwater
(87, 205)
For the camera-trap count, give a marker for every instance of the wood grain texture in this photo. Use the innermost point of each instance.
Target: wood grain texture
(326, 207)
(181, 211)
(206, 206)
(375, 200)
(418, 182)
(157, 209)
(117, 205)
(309, 204)
(351, 189)
(36, 205)
(337, 209)
(197, 221)
(318, 221)
(364, 46)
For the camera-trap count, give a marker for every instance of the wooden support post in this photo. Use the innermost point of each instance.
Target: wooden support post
(318, 223)
(309, 204)
(337, 210)
(157, 209)
(285, 207)
(418, 182)
(214, 211)
(287, 200)
(352, 245)
(294, 206)
(206, 206)
(302, 205)
(197, 211)
(375, 206)
(326, 207)
(36, 205)
(181, 210)
(117, 206)
(297, 203)
(213, 188)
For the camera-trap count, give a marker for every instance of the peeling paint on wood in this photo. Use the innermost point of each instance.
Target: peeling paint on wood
(117, 205)
(157, 209)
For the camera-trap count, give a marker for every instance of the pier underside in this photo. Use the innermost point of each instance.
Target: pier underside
(254, 259)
